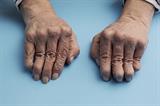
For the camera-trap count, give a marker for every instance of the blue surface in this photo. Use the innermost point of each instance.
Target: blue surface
(80, 83)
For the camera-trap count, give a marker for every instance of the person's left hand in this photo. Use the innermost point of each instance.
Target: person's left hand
(118, 49)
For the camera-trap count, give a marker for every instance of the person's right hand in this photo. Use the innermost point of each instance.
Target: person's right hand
(50, 43)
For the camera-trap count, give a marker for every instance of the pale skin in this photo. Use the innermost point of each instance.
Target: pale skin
(51, 43)
(118, 49)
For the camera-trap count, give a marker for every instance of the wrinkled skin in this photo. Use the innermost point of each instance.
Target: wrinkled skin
(118, 49)
(49, 44)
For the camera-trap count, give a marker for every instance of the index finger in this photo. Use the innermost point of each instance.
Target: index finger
(105, 54)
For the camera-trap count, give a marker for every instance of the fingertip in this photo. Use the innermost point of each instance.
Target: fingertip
(36, 77)
(136, 65)
(29, 64)
(129, 71)
(55, 76)
(129, 76)
(105, 73)
(118, 76)
(45, 80)
(106, 77)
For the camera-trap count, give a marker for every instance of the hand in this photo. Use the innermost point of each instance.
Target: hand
(119, 48)
(49, 44)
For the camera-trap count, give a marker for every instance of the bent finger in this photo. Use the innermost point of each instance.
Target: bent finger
(62, 53)
(73, 48)
(139, 51)
(105, 54)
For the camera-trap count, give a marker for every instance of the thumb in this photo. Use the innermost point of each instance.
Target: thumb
(95, 48)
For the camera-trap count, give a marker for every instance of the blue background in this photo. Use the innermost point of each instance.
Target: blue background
(79, 83)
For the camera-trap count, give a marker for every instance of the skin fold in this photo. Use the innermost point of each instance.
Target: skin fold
(119, 48)
(50, 42)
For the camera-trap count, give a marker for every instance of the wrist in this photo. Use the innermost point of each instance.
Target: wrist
(138, 10)
(35, 8)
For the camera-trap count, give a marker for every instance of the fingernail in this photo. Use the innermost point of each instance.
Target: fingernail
(71, 59)
(36, 77)
(119, 78)
(45, 80)
(55, 76)
(128, 79)
(105, 78)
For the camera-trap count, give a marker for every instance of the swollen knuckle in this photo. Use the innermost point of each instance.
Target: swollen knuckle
(131, 40)
(41, 34)
(54, 31)
(107, 34)
(119, 36)
(104, 56)
(30, 36)
(51, 54)
(64, 53)
(67, 31)
(142, 43)
(40, 54)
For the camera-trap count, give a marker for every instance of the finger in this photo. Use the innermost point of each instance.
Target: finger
(105, 54)
(29, 50)
(95, 48)
(62, 53)
(50, 54)
(117, 56)
(140, 48)
(128, 60)
(73, 49)
(39, 55)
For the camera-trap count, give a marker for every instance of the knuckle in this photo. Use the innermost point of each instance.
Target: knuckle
(131, 40)
(51, 54)
(40, 54)
(107, 34)
(142, 44)
(30, 36)
(54, 31)
(105, 56)
(64, 53)
(41, 34)
(67, 31)
(119, 36)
